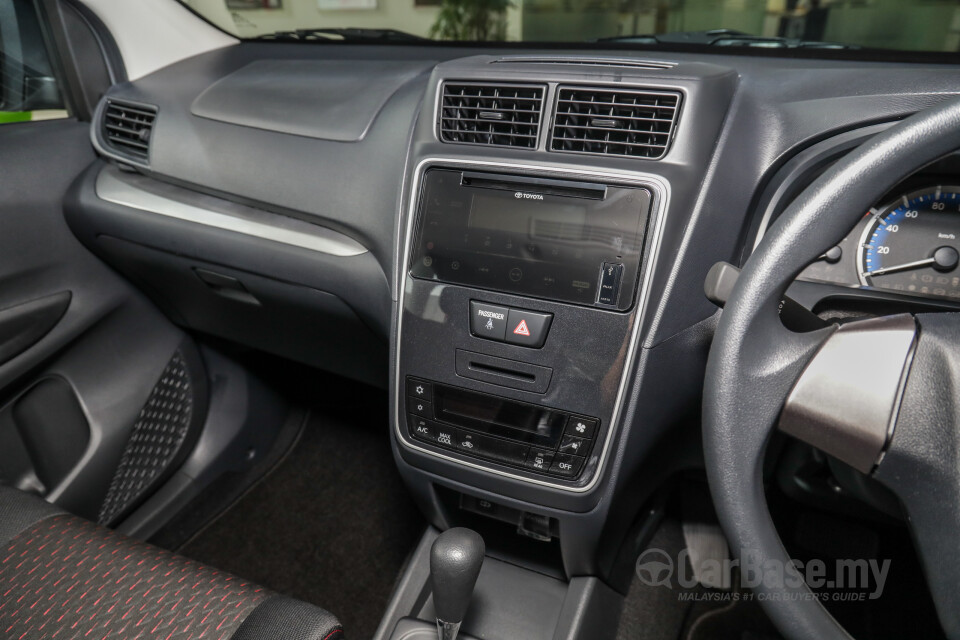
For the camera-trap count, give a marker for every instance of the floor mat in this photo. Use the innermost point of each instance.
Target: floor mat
(332, 524)
(671, 611)
(655, 612)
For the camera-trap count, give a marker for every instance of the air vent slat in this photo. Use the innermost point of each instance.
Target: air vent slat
(516, 135)
(608, 129)
(128, 109)
(117, 128)
(127, 129)
(502, 115)
(607, 114)
(133, 121)
(634, 123)
(127, 142)
(617, 105)
(468, 121)
(514, 99)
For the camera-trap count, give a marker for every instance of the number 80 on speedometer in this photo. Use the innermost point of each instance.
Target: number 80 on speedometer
(911, 245)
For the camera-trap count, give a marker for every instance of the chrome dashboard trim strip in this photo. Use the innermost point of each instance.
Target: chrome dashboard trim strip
(113, 188)
(660, 189)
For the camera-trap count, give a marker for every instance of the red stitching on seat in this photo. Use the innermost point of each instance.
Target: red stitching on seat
(68, 575)
(333, 633)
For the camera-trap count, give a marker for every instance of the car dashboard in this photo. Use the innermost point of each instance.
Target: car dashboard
(514, 244)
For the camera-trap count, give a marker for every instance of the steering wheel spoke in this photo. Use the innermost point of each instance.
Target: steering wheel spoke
(756, 367)
(846, 400)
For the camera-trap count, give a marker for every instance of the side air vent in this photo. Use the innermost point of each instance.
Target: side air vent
(506, 115)
(639, 124)
(127, 128)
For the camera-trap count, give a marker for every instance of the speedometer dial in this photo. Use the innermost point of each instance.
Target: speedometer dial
(913, 245)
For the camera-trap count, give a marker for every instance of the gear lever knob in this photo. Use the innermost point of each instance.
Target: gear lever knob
(455, 561)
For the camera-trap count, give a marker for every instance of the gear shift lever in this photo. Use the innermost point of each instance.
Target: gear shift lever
(455, 560)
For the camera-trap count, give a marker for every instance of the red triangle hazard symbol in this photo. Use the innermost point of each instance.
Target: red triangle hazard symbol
(521, 329)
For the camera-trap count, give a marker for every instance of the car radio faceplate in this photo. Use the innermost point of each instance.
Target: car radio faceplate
(553, 239)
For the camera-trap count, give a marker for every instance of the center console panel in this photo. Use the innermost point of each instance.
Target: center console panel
(527, 383)
(521, 294)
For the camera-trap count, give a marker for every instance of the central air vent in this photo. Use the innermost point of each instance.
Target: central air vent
(505, 115)
(127, 128)
(639, 123)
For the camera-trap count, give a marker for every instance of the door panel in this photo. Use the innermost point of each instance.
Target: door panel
(105, 345)
(23, 325)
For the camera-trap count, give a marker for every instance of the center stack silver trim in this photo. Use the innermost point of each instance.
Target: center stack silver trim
(660, 190)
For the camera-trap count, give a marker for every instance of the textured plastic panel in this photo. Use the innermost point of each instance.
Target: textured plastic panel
(326, 99)
(161, 432)
(53, 427)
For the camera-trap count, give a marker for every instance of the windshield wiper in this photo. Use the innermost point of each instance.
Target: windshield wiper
(347, 34)
(727, 38)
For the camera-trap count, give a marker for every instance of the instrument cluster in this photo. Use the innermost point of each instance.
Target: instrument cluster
(909, 244)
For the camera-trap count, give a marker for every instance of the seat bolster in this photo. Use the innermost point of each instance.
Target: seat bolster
(19, 511)
(283, 618)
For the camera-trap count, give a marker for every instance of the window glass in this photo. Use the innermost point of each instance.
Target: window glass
(927, 25)
(28, 86)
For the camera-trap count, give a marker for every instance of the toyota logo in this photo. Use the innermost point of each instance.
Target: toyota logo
(518, 194)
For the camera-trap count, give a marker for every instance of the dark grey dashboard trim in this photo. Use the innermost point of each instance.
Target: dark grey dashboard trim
(113, 186)
(658, 214)
(801, 169)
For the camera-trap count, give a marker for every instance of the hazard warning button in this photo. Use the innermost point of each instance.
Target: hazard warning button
(528, 328)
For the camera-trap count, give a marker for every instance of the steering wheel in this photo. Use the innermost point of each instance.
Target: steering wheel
(882, 395)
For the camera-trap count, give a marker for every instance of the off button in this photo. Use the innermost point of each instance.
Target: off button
(488, 321)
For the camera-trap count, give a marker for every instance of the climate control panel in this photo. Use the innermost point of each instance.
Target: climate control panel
(536, 438)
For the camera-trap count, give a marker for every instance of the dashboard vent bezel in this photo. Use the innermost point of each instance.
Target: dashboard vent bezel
(641, 129)
(623, 63)
(449, 113)
(122, 126)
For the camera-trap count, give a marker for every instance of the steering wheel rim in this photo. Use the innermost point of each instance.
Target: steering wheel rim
(754, 360)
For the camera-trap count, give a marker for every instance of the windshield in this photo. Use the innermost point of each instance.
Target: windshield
(881, 24)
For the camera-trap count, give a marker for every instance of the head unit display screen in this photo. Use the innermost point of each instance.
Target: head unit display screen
(542, 238)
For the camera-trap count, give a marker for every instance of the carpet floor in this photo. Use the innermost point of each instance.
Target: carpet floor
(332, 524)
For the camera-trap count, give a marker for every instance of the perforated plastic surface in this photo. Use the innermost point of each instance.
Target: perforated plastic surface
(158, 436)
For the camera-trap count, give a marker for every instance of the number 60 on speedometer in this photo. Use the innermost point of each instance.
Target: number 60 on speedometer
(911, 245)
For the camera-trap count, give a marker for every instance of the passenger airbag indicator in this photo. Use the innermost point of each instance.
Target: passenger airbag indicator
(488, 321)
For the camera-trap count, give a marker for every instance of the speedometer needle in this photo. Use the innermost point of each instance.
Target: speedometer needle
(943, 259)
(906, 266)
